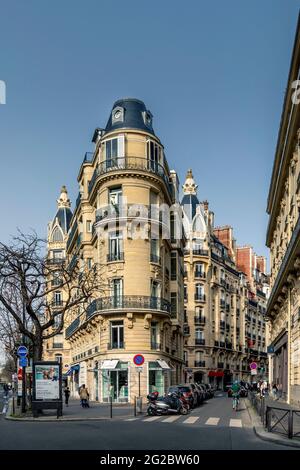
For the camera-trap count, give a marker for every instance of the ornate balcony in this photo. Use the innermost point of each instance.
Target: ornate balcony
(115, 256)
(199, 341)
(199, 320)
(199, 363)
(131, 163)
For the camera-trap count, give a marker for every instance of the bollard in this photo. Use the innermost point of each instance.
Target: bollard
(134, 406)
(110, 407)
(139, 404)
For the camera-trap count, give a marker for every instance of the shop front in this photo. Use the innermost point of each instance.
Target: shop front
(115, 380)
(216, 378)
(158, 376)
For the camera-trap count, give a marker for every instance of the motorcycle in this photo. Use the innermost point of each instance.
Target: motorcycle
(172, 403)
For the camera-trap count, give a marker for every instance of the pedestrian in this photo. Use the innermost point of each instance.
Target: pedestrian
(5, 389)
(67, 395)
(274, 391)
(84, 396)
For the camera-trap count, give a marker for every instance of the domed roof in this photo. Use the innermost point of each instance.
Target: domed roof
(130, 113)
(64, 214)
(190, 201)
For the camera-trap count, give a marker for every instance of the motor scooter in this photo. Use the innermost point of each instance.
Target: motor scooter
(169, 404)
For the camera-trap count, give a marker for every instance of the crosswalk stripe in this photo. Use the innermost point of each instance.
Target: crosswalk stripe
(212, 421)
(235, 423)
(191, 420)
(153, 418)
(131, 419)
(171, 419)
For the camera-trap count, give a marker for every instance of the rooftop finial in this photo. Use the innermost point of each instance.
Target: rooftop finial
(189, 187)
(63, 200)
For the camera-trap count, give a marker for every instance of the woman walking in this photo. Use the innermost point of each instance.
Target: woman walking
(84, 396)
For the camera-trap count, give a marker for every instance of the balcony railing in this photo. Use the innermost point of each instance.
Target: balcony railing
(57, 303)
(57, 345)
(222, 344)
(200, 252)
(199, 363)
(222, 303)
(116, 345)
(200, 275)
(199, 320)
(200, 341)
(115, 256)
(55, 260)
(128, 301)
(200, 297)
(73, 327)
(155, 258)
(131, 163)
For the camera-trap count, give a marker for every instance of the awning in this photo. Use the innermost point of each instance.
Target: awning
(112, 364)
(215, 373)
(164, 365)
(73, 369)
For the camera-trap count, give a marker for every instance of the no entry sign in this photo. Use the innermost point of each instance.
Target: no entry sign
(253, 366)
(139, 359)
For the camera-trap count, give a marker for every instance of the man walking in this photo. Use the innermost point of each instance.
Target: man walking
(67, 395)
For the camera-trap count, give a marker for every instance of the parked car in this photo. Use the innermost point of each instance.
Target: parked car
(198, 393)
(187, 391)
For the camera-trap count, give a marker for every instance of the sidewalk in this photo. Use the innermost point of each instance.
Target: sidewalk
(75, 412)
(261, 431)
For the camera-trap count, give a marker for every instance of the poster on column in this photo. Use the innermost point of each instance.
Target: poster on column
(47, 381)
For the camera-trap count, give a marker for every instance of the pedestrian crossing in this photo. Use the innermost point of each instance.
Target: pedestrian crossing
(190, 420)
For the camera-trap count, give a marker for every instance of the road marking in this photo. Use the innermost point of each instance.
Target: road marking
(171, 419)
(212, 421)
(235, 423)
(153, 418)
(131, 419)
(191, 420)
(219, 395)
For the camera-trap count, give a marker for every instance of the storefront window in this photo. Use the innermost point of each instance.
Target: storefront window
(115, 383)
(156, 378)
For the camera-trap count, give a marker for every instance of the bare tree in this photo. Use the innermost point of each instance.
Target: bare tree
(9, 336)
(28, 281)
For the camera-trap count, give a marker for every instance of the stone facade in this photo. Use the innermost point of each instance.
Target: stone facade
(284, 243)
(225, 299)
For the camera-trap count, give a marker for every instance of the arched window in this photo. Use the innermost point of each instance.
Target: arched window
(57, 235)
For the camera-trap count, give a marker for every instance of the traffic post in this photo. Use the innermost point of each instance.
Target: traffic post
(138, 361)
(22, 352)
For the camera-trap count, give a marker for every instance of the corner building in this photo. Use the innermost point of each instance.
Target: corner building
(140, 309)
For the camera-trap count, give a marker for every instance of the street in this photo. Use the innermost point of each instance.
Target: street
(212, 426)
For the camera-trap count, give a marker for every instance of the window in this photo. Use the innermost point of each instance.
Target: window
(89, 226)
(153, 155)
(57, 298)
(117, 334)
(199, 270)
(154, 253)
(58, 357)
(57, 254)
(114, 150)
(173, 266)
(199, 312)
(115, 247)
(185, 295)
(173, 304)
(56, 281)
(199, 295)
(57, 235)
(154, 335)
(117, 292)
(89, 263)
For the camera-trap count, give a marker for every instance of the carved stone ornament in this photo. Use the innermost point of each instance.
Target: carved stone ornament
(129, 316)
(147, 320)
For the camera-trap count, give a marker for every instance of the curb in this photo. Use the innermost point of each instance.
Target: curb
(58, 420)
(260, 432)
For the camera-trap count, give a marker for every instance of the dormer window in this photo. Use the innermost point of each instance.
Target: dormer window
(117, 115)
(147, 116)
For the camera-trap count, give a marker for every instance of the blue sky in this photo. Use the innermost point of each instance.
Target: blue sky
(212, 73)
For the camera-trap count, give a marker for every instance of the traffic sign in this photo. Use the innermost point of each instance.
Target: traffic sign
(253, 366)
(139, 359)
(22, 351)
(23, 361)
(20, 373)
(253, 371)
(139, 369)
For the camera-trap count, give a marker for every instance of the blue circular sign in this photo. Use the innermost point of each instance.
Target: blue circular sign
(139, 359)
(22, 351)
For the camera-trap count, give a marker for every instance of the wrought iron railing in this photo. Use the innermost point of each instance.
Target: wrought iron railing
(131, 163)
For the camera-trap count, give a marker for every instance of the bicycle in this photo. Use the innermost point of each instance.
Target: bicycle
(235, 402)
